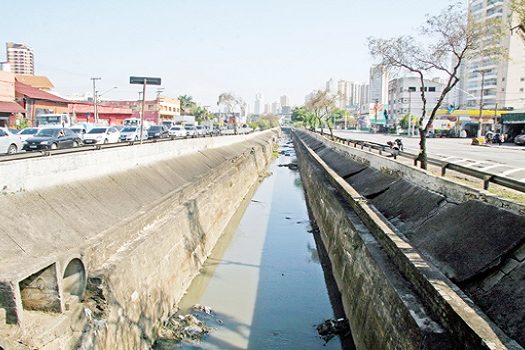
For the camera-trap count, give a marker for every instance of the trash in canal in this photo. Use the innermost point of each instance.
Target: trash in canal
(203, 308)
(187, 327)
(330, 328)
(291, 166)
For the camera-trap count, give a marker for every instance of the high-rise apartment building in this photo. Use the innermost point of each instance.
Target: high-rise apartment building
(258, 104)
(378, 86)
(20, 58)
(344, 90)
(503, 81)
(284, 100)
(331, 87)
(276, 108)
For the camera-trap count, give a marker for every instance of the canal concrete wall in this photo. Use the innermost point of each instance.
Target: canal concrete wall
(100, 263)
(42, 172)
(401, 239)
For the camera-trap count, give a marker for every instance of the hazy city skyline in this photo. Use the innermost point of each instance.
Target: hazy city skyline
(204, 48)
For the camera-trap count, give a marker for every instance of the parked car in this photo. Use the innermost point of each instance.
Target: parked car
(158, 132)
(177, 131)
(520, 140)
(190, 130)
(102, 135)
(168, 123)
(80, 131)
(52, 138)
(200, 130)
(9, 142)
(132, 133)
(27, 133)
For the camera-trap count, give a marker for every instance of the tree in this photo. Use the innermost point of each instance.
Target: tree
(201, 113)
(302, 115)
(231, 102)
(186, 104)
(450, 35)
(320, 105)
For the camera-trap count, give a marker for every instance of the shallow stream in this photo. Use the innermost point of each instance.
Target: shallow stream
(264, 281)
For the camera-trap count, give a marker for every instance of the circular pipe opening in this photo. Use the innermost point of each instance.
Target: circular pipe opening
(74, 279)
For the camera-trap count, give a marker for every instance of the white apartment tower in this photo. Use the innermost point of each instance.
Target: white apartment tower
(284, 100)
(378, 87)
(258, 104)
(331, 87)
(504, 81)
(20, 58)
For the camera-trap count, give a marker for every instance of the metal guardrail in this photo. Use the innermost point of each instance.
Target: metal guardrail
(486, 177)
(88, 148)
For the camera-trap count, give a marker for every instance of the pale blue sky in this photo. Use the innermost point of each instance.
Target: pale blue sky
(205, 47)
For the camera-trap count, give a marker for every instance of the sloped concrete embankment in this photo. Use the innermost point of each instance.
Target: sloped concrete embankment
(411, 252)
(137, 237)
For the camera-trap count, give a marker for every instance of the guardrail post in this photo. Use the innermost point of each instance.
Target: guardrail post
(415, 161)
(444, 169)
(486, 181)
(381, 150)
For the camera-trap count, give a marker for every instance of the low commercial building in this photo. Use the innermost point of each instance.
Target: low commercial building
(155, 111)
(85, 112)
(513, 123)
(35, 102)
(9, 109)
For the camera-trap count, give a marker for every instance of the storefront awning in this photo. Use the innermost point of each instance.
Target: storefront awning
(513, 118)
(11, 107)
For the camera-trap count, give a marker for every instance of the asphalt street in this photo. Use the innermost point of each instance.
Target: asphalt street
(507, 159)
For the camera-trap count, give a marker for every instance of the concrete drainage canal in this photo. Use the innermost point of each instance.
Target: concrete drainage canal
(268, 282)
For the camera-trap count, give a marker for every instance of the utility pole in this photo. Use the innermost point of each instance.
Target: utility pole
(496, 121)
(95, 109)
(482, 72)
(409, 112)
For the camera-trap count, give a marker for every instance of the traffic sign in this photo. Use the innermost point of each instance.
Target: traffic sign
(147, 80)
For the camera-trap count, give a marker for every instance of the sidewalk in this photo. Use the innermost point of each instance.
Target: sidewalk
(506, 146)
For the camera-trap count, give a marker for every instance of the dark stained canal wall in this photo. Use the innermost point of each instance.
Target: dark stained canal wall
(413, 264)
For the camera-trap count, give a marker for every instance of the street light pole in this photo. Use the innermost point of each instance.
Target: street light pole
(142, 113)
(95, 110)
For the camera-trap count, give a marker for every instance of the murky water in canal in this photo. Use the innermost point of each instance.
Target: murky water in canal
(264, 281)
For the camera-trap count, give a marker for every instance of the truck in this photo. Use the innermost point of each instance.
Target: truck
(184, 119)
(47, 120)
(135, 122)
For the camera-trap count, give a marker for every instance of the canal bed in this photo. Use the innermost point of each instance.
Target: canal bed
(264, 280)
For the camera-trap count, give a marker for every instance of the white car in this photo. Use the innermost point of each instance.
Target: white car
(132, 133)
(9, 143)
(201, 130)
(190, 130)
(27, 133)
(177, 131)
(79, 130)
(99, 135)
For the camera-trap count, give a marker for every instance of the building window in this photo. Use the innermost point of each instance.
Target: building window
(432, 89)
(522, 79)
(521, 89)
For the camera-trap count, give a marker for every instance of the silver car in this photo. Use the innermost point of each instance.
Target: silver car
(9, 143)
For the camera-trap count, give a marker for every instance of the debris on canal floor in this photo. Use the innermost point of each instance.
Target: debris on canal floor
(186, 327)
(291, 166)
(330, 328)
(203, 308)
